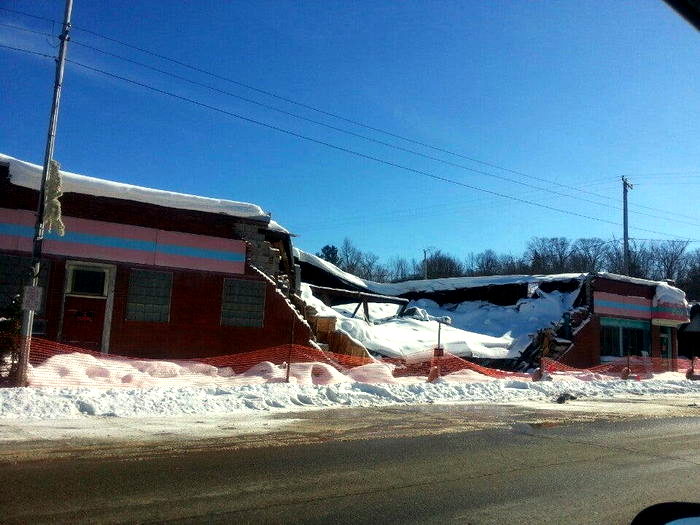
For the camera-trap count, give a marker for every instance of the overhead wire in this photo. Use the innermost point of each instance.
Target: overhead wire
(335, 146)
(351, 121)
(359, 135)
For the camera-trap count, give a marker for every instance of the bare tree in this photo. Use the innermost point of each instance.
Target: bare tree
(669, 258)
(549, 254)
(588, 254)
(399, 269)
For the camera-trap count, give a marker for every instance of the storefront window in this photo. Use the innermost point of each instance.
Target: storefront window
(622, 337)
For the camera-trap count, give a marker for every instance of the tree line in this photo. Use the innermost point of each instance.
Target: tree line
(649, 259)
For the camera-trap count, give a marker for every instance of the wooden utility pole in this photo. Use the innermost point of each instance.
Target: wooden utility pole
(29, 303)
(626, 186)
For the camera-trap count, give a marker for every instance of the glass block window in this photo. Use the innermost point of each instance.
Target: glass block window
(243, 303)
(14, 275)
(149, 296)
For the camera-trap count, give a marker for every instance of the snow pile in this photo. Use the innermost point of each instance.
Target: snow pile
(86, 370)
(133, 388)
(407, 336)
(479, 328)
(513, 325)
(28, 175)
(54, 403)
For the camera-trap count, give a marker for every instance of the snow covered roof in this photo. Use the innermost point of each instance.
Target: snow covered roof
(28, 175)
(664, 292)
(431, 285)
(349, 278)
(458, 283)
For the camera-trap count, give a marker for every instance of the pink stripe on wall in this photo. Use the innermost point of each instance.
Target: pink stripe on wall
(606, 296)
(18, 244)
(200, 241)
(110, 229)
(123, 231)
(210, 265)
(23, 217)
(671, 316)
(75, 249)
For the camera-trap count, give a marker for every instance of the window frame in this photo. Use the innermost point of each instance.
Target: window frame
(128, 294)
(70, 269)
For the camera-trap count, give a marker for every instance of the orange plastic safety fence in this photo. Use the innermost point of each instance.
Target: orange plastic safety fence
(43, 349)
(636, 365)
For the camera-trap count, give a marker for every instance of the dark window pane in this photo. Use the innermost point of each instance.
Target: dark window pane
(610, 341)
(88, 281)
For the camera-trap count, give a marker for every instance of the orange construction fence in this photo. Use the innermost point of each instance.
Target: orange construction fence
(427, 365)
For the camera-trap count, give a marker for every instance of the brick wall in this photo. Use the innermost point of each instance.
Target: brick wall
(585, 351)
(194, 329)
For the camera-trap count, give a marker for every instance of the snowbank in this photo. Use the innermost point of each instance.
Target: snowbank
(55, 403)
(28, 175)
(135, 388)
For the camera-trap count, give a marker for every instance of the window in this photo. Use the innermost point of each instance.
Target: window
(610, 344)
(149, 296)
(14, 275)
(87, 280)
(243, 303)
(620, 337)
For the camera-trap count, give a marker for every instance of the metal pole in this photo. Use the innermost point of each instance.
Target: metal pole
(28, 313)
(291, 345)
(626, 241)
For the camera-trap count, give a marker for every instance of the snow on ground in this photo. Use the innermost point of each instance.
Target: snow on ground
(55, 403)
(134, 388)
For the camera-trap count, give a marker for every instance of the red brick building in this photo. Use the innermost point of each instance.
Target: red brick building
(150, 273)
(626, 316)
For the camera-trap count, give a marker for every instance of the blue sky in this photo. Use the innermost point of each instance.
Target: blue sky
(577, 93)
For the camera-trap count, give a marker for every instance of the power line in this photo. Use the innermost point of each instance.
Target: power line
(15, 11)
(340, 117)
(334, 146)
(359, 135)
(27, 30)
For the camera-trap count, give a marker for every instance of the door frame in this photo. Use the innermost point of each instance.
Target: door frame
(110, 278)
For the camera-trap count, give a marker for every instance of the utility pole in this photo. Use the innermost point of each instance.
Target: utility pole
(626, 186)
(29, 306)
(425, 263)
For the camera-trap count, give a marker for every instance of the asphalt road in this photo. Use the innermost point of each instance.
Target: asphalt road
(600, 472)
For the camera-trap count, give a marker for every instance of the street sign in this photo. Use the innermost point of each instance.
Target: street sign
(31, 300)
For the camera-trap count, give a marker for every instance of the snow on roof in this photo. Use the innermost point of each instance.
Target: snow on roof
(28, 175)
(309, 258)
(431, 285)
(664, 293)
(457, 283)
